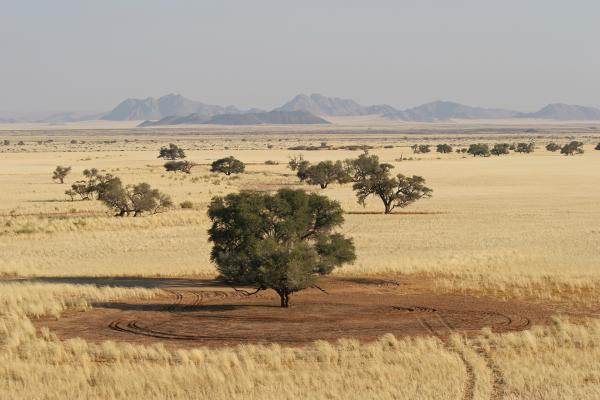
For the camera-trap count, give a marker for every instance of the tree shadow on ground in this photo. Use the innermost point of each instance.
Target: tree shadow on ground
(128, 282)
(166, 307)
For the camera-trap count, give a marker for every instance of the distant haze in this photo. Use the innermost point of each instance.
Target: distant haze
(88, 56)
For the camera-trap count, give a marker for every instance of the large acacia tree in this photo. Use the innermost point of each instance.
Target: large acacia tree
(282, 241)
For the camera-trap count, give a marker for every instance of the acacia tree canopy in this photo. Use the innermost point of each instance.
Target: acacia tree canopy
(372, 178)
(228, 165)
(479, 149)
(282, 241)
(60, 173)
(183, 166)
(326, 172)
(133, 199)
(172, 152)
(572, 148)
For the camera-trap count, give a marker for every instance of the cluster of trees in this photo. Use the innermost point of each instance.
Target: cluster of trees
(133, 200)
(125, 200)
(568, 149)
(498, 149)
(370, 178)
(173, 153)
(420, 148)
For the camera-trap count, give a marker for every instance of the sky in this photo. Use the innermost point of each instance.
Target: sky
(83, 55)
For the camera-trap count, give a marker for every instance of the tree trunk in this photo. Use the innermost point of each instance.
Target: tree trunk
(284, 297)
(388, 207)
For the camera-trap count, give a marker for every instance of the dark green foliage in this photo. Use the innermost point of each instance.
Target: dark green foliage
(479, 149)
(597, 147)
(572, 148)
(228, 166)
(525, 147)
(552, 147)
(326, 172)
(372, 178)
(6, 142)
(133, 199)
(281, 241)
(172, 152)
(444, 148)
(420, 148)
(183, 166)
(500, 149)
(60, 173)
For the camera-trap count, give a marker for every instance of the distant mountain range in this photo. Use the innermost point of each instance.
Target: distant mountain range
(446, 110)
(174, 109)
(165, 106)
(564, 112)
(248, 118)
(332, 106)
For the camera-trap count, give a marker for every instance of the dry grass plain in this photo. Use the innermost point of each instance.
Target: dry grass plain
(521, 227)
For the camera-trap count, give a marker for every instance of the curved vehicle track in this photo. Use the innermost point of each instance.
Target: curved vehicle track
(213, 315)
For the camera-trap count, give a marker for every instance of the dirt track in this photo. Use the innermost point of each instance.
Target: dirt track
(213, 315)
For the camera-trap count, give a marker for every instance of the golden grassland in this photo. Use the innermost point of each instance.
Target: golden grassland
(517, 225)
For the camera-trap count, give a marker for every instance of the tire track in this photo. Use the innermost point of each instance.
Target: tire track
(498, 381)
(469, 385)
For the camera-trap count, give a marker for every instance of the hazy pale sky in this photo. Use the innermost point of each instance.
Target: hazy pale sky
(89, 55)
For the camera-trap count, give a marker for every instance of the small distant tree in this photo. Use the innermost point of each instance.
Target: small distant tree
(525, 147)
(572, 148)
(420, 148)
(479, 149)
(300, 166)
(500, 149)
(71, 193)
(133, 199)
(444, 148)
(228, 166)
(372, 178)
(282, 241)
(552, 147)
(327, 172)
(21, 143)
(597, 147)
(60, 173)
(183, 166)
(73, 141)
(6, 142)
(173, 152)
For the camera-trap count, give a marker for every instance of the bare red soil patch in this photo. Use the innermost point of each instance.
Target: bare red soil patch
(364, 309)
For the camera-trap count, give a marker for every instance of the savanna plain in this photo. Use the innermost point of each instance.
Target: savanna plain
(487, 290)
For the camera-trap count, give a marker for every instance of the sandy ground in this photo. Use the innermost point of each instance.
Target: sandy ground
(203, 312)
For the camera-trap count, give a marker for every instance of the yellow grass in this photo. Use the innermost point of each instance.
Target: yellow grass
(519, 225)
